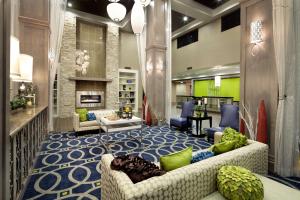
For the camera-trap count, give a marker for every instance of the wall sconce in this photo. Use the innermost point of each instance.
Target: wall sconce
(217, 81)
(255, 34)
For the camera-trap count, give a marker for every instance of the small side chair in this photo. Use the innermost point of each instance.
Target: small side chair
(182, 122)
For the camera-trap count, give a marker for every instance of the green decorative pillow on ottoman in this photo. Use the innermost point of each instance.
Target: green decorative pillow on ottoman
(236, 183)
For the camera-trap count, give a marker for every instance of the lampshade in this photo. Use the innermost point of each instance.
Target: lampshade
(256, 32)
(116, 11)
(145, 2)
(217, 81)
(26, 68)
(137, 18)
(14, 57)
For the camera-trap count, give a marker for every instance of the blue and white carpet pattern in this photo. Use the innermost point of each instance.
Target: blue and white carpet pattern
(68, 166)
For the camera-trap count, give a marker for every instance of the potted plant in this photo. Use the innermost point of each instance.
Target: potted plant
(160, 120)
(198, 110)
(17, 103)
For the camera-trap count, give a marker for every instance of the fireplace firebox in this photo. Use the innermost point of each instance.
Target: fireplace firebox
(89, 99)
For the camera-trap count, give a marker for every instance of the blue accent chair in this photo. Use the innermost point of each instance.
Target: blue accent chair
(229, 118)
(182, 122)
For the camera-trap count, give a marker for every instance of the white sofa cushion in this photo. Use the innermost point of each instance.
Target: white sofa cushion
(89, 123)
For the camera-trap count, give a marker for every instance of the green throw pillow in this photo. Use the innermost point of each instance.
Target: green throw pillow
(223, 147)
(82, 114)
(176, 160)
(230, 134)
(236, 183)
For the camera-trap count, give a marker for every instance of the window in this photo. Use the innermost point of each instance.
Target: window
(231, 20)
(187, 39)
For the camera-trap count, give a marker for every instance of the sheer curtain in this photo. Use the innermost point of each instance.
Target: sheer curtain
(297, 39)
(57, 16)
(141, 44)
(168, 60)
(287, 127)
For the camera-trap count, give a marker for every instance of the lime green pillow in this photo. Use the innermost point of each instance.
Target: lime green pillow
(223, 147)
(237, 183)
(176, 160)
(230, 134)
(82, 114)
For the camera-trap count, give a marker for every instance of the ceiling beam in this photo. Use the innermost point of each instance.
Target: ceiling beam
(202, 14)
(192, 9)
(226, 8)
(190, 26)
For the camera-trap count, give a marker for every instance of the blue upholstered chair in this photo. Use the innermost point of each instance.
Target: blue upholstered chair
(229, 118)
(182, 122)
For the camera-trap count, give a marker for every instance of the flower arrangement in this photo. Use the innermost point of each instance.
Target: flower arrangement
(198, 110)
(82, 61)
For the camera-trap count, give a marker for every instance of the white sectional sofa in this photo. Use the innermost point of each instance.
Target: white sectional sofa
(191, 182)
(90, 125)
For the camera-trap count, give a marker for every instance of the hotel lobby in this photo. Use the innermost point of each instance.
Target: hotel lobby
(150, 99)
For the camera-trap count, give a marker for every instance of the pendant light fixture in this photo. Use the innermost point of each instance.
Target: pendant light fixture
(116, 11)
(137, 17)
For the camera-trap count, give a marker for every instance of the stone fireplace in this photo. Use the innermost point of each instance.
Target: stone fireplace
(102, 44)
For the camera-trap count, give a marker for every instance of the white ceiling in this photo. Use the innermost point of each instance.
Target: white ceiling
(201, 13)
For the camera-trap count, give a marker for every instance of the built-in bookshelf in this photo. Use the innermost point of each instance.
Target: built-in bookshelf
(128, 88)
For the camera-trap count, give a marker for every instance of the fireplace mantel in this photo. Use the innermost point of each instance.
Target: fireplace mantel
(89, 79)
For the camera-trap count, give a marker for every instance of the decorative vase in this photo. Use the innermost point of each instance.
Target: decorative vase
(262, 130)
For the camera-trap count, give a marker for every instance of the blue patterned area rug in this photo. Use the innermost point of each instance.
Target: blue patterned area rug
(68, 166)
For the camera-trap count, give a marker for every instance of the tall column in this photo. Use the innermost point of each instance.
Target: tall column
(112, 66)
(157, 67)
(67, 70)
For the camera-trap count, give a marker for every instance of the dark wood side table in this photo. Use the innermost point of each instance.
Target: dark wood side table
(199, 120)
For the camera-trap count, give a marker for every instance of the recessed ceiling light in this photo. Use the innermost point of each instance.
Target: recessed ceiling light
(185, 18)
(70, 4)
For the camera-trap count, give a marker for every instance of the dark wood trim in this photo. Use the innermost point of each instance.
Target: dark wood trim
(33, 21)
(5, 27)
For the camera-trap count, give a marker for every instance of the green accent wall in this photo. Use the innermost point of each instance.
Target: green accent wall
(230, 87)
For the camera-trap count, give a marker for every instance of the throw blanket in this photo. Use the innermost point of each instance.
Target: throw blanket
(136, 168)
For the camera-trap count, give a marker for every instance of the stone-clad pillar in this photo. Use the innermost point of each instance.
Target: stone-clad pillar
(112, 66)
(67, 70)
(156, 51)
